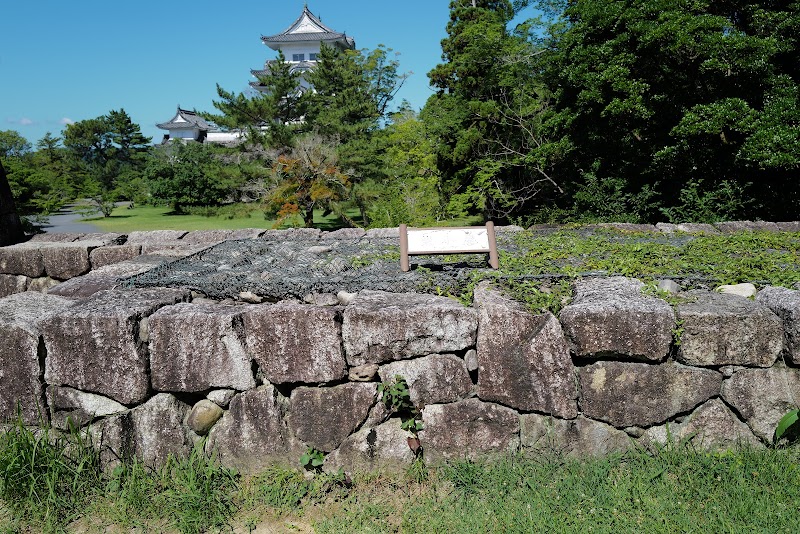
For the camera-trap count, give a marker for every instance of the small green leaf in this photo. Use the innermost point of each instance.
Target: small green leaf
(786, 422)
(316, 462)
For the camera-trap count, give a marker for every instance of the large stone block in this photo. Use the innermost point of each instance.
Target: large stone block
(697, 228)
(611, 317)
(763, 396)
(217, 236)
(42, 285)
(94, 346)
(150, 432)
(468, 429)
(155, 236)
(197, 347)
(109, 255)
(11, 284)
(292, 234)
(711, 426)
(722, 329)
(785, 303)
(24, 259)
(384, 447)
(103, 278)
(580, 437)
(58, 237)
(104, 239)
(434, 379)
(729, 227)
(383, 233)
(640, 394)
(343, 234)
(629, 227)
(172, 250)
(523, 359)
(63, 261)
(252, 434)
(22, 354)
(294, 342)
(78, 407)
(789, 226)
(323, 417)
(380, 327)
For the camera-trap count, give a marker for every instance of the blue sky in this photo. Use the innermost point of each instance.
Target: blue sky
(70, 61)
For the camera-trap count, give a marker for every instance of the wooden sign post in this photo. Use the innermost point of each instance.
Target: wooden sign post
(462, 240)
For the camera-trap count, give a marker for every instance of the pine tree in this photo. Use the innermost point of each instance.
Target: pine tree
(273, 115)
(486, 116)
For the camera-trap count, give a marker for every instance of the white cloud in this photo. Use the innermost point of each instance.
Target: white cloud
(24, 121)
(66, 120)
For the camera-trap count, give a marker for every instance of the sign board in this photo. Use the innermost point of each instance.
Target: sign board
(463, 240)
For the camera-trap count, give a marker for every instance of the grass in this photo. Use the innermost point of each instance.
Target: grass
(46, 478)
(143, 218)
(234, 217)
(52, 483)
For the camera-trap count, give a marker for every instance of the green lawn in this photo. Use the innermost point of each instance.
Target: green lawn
(144, 218)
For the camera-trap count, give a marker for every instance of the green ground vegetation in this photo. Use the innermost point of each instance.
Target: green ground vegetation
(232, 217)
(52, 483)
(537, 268)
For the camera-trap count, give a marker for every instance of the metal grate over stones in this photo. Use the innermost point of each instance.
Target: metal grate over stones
(292, 269)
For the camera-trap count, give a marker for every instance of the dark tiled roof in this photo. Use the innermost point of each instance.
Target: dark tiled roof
(299, 66)
(190, 120)
(301, 37)
(292, 35)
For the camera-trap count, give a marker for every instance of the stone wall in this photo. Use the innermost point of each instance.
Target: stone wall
(150, 372)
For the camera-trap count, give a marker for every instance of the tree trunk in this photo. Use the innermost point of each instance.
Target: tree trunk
(308, 217)
(10, 225)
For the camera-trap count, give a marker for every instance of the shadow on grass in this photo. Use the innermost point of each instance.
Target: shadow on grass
(331, 224)
(90, 219)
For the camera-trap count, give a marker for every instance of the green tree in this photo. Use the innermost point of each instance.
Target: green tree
(677, 101)
(352, 91)
(305, 179)
(270, 117)
(37, 179)
(189, 174)
(105, 153)
(13, 145)
(409, 193)
(486, 117)
(350, 95)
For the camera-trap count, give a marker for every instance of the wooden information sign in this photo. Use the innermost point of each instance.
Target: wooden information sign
(463, 240)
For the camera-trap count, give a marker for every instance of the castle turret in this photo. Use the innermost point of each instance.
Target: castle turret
(300, 44)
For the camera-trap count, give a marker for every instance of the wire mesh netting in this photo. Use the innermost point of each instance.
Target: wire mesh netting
(294, 269)
(294, 266)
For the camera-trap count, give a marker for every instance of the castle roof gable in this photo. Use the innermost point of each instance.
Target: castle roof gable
(307, 28)
(184, 119)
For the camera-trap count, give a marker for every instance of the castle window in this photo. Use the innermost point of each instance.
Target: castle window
(312, 57)
(298, 57)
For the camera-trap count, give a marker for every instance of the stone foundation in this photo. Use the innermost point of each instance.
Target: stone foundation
(149, 372)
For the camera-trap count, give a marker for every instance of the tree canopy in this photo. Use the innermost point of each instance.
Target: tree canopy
(666, 96)
(486, 116)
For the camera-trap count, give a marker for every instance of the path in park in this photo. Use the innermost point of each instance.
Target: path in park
(67, 221)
